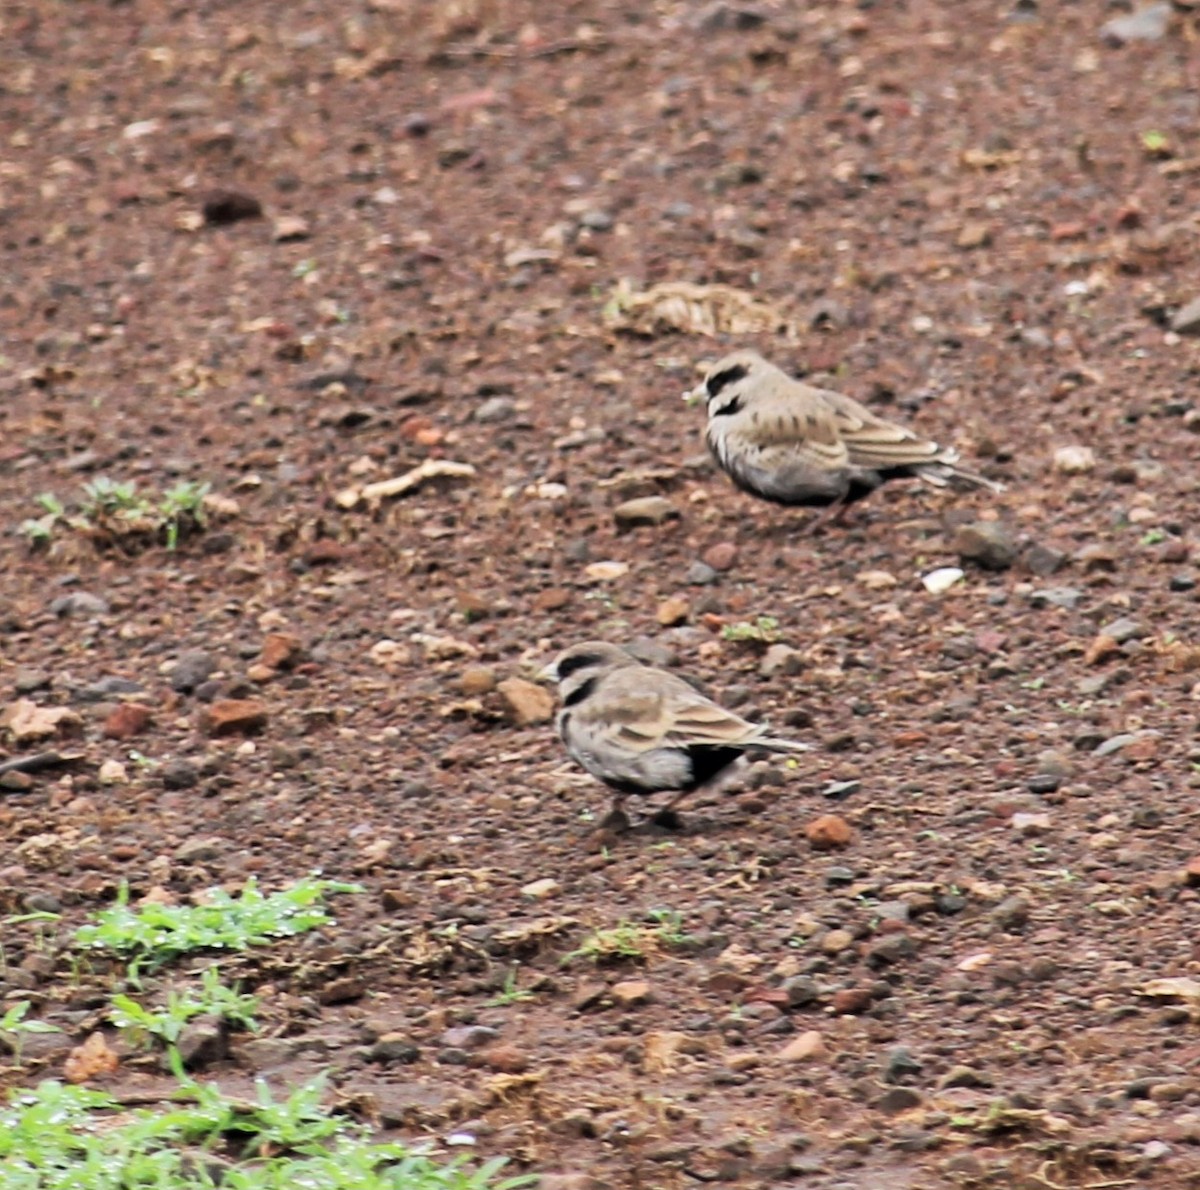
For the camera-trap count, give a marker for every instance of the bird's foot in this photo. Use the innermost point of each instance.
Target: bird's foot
(616, 821)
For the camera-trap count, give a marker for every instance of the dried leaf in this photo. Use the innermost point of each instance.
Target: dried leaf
(92, 1058)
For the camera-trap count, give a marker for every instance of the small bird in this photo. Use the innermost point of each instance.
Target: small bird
(643, 730)
(796, 444)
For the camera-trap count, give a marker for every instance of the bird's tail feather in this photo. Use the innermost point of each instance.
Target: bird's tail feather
(945, 472)
(768, 743)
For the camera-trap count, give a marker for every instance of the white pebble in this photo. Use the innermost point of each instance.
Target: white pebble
(938, 582)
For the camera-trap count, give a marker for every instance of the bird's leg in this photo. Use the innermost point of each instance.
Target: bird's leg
(667, 817)
(831, 514)
(616, 819)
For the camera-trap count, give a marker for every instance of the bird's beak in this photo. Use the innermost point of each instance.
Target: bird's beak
(694, 396)
(548, 673)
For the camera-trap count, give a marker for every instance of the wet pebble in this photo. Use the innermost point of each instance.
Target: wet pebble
(79, 603)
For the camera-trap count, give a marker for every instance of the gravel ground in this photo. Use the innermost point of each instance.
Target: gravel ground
(291, 251)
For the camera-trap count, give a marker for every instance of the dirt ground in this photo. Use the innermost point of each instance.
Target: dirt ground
(978, 217)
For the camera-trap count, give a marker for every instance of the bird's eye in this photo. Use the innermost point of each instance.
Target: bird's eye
(726, 376)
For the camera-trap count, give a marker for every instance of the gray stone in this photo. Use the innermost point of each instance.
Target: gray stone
(469, 1037)
(79, 603)
(1043, 560)
(897, 1100)
(203, 1041)
(1114, 744)
(394, 1047)
(1012, 913)
(801, 990)
(106, 688)
(495, 409)
(781, 659)
(596, 220)
(1187, 319)
(192, 668)
(700, 574)
(1123, 630)
(1148, 23)
(27, 681)
(986, 543)
(199, 851)
(1067, 597)
(179, 774)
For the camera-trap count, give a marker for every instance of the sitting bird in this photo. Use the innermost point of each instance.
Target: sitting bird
(793, 443)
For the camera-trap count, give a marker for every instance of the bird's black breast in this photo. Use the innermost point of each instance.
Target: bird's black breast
(707, 761)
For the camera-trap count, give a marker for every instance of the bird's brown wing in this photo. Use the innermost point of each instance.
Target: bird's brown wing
(872, 441)
(639, 709)
(798, 430)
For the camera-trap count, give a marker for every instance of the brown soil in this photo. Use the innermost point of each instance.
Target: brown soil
(956, 205)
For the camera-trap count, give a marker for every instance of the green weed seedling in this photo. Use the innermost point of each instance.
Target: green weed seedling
(632, 940)
(14, 1028)
(59, 1137)
(156, 934)
(213, 999)
(763, 630)
(510, 993)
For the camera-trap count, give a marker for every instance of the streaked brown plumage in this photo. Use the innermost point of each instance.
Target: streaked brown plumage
(793, 443)
(643, 730)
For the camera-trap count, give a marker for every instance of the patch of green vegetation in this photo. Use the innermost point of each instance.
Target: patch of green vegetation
(762, 630)
(14, 1028)
(633, 940)
(59, 1137)
(1156, 144)
(113, 513)
(511, 992)
(213, 999)
(155, 934)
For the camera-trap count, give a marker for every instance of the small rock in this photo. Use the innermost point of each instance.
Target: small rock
(900, 1064)
(203, 1041)
(1064, 597)
(700, 574)
(938, 582)
(781, 659)
(1187, 319)
(596, 220)
(394, 1047)
(974, 235)
(280, 650)
(1123, 630)
(495, 409)
(672, 612)
(26, 681)
(1191, 873)
(721, 556)
(851, 1001)
(526, 703)
(828, 832)
(15, 781)
(1043, 560)
(1074, 460)
(963, 1076)
(1012, 913)
(476, 680)
(837, 791)
(112, 772)
(876, 580)
(630, 993)
(805, 1047)
(606, 572)
(897, 1100)
(890, 949)
(469, 1037)
(342, 991)
(1100, 650)
(1043, 783)
(800, 990)
(291, 227)
(234, 716)
(190, 670)
(126, 721)
(645, 510)
(505, 1059)
(1114, 744)
(179, 774)
(987, 543)
(1098, 558)
(80, 603)
(1148, 23)
(1030, 824)
(539, 890)
(199, 851)
(837, 941)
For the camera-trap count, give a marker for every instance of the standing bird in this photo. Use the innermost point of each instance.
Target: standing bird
(792, 443)
(643, 730)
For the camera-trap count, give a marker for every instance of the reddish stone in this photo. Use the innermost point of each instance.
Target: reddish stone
(850, 1001)
(280, 650)
(126, 721)
(233, 716)
(720, 556)
(829, 832)
(505, 1059)
(551, 599)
